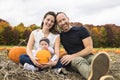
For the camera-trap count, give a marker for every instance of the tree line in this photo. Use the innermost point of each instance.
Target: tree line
(107, 35)
(13, 35)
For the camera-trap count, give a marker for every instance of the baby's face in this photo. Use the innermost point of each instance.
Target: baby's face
(44, 44)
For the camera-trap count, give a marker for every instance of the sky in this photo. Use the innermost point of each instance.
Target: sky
(96, 12)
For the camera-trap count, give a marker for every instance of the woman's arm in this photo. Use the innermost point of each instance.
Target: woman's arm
(56, 49)
(29, 50)
(30, 45)
(57, 46)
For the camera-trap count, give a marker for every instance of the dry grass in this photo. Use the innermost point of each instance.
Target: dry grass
(11, 71)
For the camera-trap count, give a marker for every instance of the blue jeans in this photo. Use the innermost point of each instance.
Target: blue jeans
(25, 59)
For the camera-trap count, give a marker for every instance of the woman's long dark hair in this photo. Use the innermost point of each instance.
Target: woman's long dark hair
(54, 29)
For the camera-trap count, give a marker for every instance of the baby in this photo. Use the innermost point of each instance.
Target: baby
(44, 45)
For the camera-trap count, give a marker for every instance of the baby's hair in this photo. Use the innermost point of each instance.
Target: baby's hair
(45, 39)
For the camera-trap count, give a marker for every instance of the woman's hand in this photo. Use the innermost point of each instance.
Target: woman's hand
(49, 64)
(35, 62)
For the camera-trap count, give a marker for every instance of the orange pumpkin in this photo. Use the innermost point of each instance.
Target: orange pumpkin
(9, 49)
(1, 48)
(15, 53)
(43, 56)
(62, 52)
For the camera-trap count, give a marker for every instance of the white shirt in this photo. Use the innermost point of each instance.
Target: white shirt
(38, 35)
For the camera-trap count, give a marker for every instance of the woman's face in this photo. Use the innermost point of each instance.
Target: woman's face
(48, 22)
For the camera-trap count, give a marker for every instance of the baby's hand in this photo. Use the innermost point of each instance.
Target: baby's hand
(46, 48)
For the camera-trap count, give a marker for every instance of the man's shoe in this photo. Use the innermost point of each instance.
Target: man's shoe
(99, 66)
(107, 77)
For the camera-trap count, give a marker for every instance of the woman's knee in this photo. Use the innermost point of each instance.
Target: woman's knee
(22, 58)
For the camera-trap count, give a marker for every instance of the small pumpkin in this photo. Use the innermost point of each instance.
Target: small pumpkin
(15, 53)
(43, 56)
(62, 52)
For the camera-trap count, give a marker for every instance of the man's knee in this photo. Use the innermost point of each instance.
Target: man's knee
(79, 60)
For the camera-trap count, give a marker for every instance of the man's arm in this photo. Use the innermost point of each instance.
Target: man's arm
(88, 48)
(86, 51)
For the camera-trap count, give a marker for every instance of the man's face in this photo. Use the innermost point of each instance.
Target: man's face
(63, 21)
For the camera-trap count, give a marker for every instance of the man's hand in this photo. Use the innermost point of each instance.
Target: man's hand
(65, 60)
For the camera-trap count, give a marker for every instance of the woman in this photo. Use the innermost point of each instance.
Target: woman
(48, 30)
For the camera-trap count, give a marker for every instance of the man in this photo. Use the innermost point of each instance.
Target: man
(78, 44)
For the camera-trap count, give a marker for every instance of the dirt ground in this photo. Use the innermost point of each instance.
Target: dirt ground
(12, 71)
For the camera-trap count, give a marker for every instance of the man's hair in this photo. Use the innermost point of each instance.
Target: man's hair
(60, 13)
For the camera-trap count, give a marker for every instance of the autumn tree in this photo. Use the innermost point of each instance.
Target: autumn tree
(103, 36)
(7, 34)
(94, 34)
(3, 24)
(110, 35)
(26, 35)
(20, 28)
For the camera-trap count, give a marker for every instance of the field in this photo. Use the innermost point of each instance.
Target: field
(12, 71)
